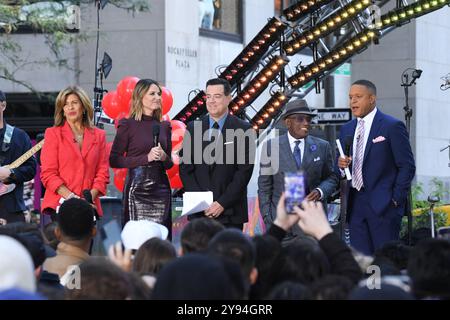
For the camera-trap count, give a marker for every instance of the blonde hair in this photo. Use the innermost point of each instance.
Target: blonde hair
(139, 92)
(88, 109)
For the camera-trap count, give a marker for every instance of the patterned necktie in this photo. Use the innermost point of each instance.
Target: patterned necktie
(297, 154)
(359, 155)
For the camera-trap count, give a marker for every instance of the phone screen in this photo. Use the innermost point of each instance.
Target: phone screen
(110, 234)
(294, 186)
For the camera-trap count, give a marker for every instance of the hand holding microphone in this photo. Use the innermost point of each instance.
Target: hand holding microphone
(87, 195)
(156, 153)
(343, 160)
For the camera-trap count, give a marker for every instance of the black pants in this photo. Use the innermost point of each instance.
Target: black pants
(239, 226)
(198, 215)
(11, 217)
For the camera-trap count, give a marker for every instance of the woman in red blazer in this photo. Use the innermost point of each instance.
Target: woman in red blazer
(74, 155)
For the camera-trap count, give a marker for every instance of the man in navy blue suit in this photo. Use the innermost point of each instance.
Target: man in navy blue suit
(13, 143)
(382, 166)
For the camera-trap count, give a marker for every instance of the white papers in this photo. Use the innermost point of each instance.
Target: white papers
(194, 202)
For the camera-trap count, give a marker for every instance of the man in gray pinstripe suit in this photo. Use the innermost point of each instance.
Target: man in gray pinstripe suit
(296, 150)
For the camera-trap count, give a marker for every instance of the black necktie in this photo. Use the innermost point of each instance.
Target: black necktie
(211, 133)
(216, 127)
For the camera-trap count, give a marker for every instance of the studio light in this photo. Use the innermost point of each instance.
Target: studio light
(252, 53)
(333, 22)
(406, 13)
(106, 65)
(332, 59)
(195, 108)
(269, 111)
(258, 84)
(302, 8)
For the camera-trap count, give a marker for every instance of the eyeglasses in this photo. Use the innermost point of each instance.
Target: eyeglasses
(300, 118)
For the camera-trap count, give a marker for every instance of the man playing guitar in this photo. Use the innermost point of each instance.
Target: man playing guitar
(14, 143)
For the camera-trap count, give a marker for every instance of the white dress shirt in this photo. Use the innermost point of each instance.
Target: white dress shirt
(301, 145)
(368, 120)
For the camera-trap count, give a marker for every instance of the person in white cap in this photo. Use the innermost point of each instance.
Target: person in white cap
(16, 266)
(136, 232)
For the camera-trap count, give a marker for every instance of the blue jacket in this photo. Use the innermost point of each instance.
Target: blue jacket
(388, 165)
(20, 143)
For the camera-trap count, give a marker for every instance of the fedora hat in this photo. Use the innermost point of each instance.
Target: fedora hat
(299, 106)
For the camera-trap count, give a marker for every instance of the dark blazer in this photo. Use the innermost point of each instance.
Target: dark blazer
(317, 164)
(227, 180)
(20, 143)
(388, 165)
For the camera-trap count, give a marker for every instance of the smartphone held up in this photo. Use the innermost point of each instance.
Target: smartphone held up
(294, 186)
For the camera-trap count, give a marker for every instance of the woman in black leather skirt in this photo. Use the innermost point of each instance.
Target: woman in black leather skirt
(147, 194)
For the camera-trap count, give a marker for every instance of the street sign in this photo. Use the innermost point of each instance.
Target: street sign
(344, 70)
(334, 115)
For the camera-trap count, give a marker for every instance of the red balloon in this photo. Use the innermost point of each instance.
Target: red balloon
(120, 176)
(178, 130)
(176, 166)
(166, 100)
(175, 182)
(125, 89)
(111, 104)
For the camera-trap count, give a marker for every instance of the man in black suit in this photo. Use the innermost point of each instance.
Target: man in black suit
(13, 143)
(218, 155)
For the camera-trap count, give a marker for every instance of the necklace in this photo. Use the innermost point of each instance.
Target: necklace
(78, 136)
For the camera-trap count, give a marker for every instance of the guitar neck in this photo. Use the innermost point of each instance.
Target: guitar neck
(27, 155)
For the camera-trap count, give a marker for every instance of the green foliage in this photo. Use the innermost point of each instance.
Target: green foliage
(419, 202)
(48, 18)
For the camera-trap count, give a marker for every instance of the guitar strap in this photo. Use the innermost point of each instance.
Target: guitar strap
(6, 142)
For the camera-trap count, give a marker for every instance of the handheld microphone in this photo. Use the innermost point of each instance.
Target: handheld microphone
(87, 195)
(156, 129)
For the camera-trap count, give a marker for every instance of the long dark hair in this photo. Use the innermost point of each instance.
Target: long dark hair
(152, 255)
